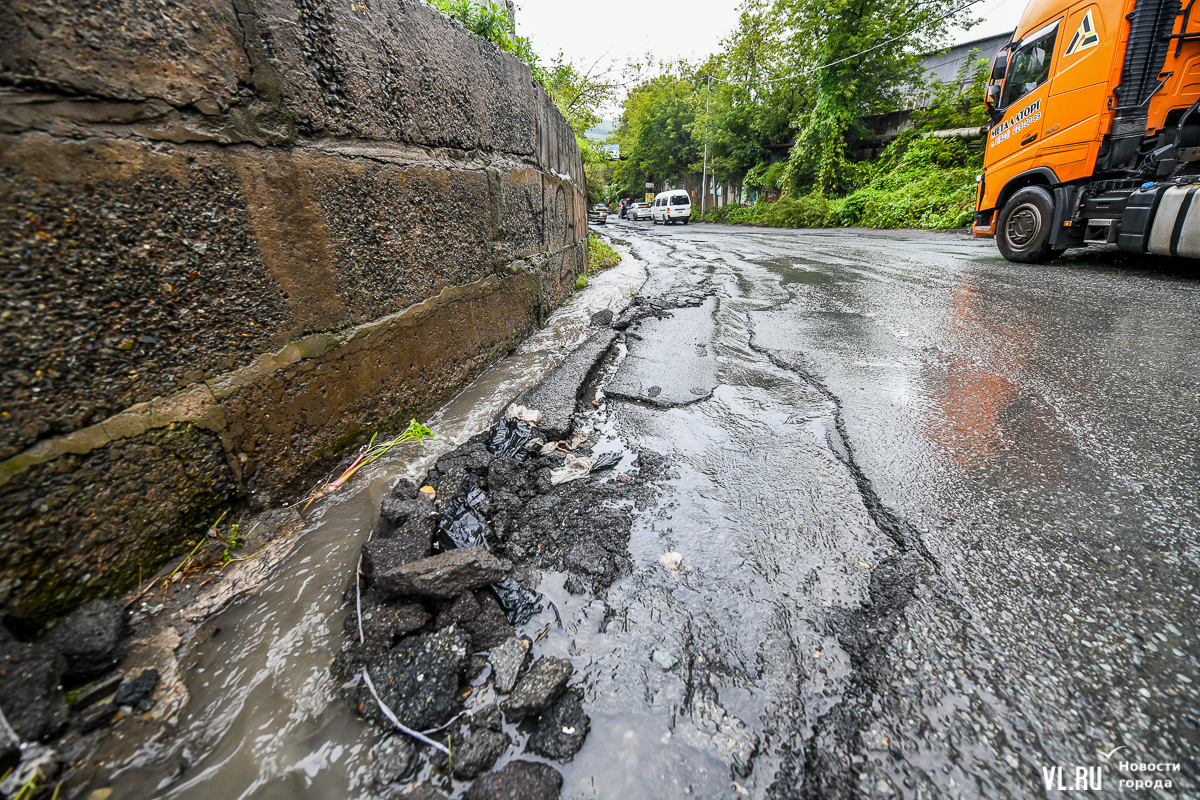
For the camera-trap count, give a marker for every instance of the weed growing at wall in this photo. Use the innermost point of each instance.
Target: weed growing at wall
(601, 255)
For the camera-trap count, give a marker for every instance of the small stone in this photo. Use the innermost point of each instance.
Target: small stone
(385, 624)
(443, 576)
(561, 729)
(405, 490)
(136, 693)
(97, 717)
(602, 318)
(476, 752)
(402, 511)
(508, 661)
(89, 638)
(540, 687)
(672, 561)
(664, 660)
(394, 759)
(484, 621)
(489, 718)
(518, 780)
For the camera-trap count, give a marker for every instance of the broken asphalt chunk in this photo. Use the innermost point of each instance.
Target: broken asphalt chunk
(443, 576)
(541, 686)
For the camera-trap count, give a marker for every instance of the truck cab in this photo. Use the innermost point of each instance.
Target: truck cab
(1095, 131)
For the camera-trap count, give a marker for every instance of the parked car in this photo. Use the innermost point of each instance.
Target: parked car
(598, 214)
(671, 207)
(638, 211)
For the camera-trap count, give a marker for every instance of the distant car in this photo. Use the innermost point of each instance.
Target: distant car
(670, 207)
(638, 211)
(599, 214)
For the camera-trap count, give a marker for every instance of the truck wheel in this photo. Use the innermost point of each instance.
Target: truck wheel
(1023, 230)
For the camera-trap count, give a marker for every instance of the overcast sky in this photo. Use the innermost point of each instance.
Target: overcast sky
(612, 33)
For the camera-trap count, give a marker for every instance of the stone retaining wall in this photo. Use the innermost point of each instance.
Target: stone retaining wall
(236, 236)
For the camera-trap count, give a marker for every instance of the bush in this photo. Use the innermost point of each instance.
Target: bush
(601, 255)
(918, 182)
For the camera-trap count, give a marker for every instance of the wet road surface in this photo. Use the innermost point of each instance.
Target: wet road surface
(941, 513)
(938, 518)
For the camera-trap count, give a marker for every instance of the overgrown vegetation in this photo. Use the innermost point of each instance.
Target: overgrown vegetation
(492, 22)
(601, 255)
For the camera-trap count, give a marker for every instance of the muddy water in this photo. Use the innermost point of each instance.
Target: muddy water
(264, 719)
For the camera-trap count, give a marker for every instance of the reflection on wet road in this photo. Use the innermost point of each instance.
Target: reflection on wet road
(940, 510)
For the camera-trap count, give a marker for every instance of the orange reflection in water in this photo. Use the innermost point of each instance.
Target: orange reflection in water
(978, 415)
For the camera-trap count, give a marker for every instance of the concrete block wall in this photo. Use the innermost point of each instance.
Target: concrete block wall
(235, 236)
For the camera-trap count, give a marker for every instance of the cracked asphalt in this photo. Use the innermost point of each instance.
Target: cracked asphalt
(937, 514)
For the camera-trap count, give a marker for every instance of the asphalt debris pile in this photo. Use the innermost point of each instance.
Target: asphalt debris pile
(435, 652)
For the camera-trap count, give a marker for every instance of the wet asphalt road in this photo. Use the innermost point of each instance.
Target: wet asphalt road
(939, 516)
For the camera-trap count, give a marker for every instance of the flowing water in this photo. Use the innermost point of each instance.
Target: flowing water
(264, 719)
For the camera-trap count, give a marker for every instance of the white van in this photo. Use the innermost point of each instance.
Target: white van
(671, 206)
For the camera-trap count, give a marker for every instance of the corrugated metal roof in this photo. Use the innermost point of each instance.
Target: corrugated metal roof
(944, 64)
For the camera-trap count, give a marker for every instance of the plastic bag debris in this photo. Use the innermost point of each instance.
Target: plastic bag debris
(606, 461)
(672, 561)
(548, 448)
(509, 440)
(520, 604)
(572, 469)
(462, 524)
(577, 441)
(530, 415)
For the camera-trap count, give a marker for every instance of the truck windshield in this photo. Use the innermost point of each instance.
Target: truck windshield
(1030, 66)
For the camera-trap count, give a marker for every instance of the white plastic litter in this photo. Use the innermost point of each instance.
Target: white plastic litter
(530, 415)
(572, 469)
(672, 561)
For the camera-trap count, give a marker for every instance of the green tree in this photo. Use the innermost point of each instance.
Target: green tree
(854, 58)
(656, 132)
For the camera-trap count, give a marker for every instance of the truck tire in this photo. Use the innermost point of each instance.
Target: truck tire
(1023, 230)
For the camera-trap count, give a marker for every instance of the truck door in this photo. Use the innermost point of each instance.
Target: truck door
(1023, 100)
(1077, 92)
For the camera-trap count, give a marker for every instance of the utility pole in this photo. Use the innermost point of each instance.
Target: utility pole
(704, 174)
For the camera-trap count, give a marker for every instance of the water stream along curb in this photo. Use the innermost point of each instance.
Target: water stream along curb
(252, 703)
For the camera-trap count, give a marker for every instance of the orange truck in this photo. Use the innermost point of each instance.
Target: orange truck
(1095, 132)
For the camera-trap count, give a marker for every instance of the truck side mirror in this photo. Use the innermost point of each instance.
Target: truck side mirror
(999, 70)
(992, 101)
